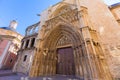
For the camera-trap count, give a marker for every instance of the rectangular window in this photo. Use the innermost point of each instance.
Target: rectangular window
(25, 57)
(27, 44)
(33, 42)
(22, 44)
(11, 61)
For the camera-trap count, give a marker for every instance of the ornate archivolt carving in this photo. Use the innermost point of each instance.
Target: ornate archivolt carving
(67, 16)
(64, 40)
(62, 8)
(44, 51)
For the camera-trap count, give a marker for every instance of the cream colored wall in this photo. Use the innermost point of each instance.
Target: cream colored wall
(15, 41)
(101, 17)
(105, 23)
(11, 33)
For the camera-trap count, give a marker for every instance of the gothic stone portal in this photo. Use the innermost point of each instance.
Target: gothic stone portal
(59, 32)
(65, 61)
(63, 52)
(63, 45)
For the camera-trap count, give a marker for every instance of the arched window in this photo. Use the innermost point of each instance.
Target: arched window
(27, 42)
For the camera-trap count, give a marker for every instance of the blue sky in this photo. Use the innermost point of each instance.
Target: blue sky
(25, 11)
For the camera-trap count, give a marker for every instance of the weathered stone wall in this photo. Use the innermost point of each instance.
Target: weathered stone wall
(21, 65)
(109, 30)
(115, 50)
(26, 52)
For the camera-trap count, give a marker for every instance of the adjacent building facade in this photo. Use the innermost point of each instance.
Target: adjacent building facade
(10, 42)
(27, 50)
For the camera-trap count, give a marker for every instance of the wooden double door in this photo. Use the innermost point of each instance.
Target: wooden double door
(65, 61)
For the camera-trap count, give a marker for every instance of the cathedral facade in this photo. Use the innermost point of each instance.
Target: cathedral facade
(78, 37)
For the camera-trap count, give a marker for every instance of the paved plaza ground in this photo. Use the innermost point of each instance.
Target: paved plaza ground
(9, 75)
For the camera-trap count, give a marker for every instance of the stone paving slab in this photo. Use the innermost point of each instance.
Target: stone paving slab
(17, 77)
(9, 75)
(57, 77)
(6, 73)
(12, 77)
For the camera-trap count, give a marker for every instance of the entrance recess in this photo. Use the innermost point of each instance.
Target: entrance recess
(65, 61)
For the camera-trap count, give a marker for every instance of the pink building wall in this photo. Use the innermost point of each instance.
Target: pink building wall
(9, 61)
(4, 47)
(10, 42)
(7, 57)
(3, 44)
(8, 51)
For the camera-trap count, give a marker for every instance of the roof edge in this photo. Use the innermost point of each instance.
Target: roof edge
(114, 5)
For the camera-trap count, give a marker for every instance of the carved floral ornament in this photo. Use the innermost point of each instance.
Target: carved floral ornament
(44, 51)
(64, 40)
(63, 13)
(62, 8)
(66, 17)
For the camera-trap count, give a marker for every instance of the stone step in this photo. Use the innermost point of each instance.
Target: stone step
(53, 79)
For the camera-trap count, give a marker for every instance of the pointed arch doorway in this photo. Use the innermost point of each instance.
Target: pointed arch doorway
(65, 64)
(61, 48)
(65, 61)
(63, 45)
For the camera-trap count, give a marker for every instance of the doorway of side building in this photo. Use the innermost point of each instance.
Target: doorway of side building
(65, 61)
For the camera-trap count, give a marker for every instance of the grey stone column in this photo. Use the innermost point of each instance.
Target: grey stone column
(24, 45)
(29, 44)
